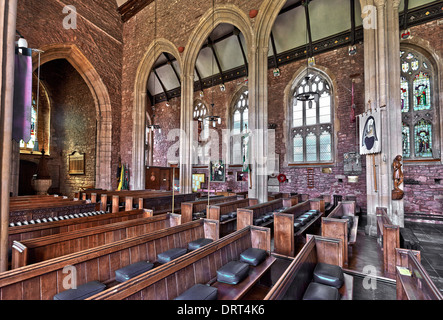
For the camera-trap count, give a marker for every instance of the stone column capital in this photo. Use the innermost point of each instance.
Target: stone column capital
(380, 3)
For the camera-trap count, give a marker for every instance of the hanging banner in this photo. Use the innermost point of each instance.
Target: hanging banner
(370, 133)
(21, 126)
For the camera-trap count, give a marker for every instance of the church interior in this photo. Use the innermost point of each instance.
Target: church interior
(221, 150)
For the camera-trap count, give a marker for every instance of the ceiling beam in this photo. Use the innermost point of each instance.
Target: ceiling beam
(352, 22)
(199, 78)
(131, 8)
(211, 45)
(274, 50)
(162, 85)
(173, 68)
(308, 27)
(405, 17)
(237, 33)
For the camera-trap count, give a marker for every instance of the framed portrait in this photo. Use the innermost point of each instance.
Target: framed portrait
(217, 171)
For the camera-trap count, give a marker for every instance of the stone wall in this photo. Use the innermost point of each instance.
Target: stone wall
(423, 183)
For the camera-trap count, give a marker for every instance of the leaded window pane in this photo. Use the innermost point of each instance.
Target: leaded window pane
(311, 147)
(405, 132)
(423, 139)
(422, 92)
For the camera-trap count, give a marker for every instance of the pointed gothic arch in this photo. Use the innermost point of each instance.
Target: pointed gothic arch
(102, 102)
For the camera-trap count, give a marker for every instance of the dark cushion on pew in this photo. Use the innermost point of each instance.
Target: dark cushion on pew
(253, 256)
(82, 292)
(233, 272)
(306, 216)
(258, 221)
(313, 211)
(269, 216)
(224, 217)
(171, 254)
(297, 226)
(329, 274)
(318, 291)
(232, 214)
(132, 270)
(199, 292)
(302, 221)
(196, 244)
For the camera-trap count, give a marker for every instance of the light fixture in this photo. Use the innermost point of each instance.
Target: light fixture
(213, 118)
(307, 95)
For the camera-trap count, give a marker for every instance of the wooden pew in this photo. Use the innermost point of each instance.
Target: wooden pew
(334, 227)
(246, 216)
(163, 204)
(216, 211)
(388, 236)
(285, 237)
(41, 281)
(296, 278)
(35, 250)
(114, 201)
(412, 280)
(191, 210)
(198, 267)
(38, 210)
(24, 232)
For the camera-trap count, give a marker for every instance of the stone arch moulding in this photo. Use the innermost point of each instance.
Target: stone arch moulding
(289, 89)
(100, 94)
(157, 47)
(226, 13)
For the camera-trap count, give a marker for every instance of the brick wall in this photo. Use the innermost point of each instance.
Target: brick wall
(99, 36)
(423, 188)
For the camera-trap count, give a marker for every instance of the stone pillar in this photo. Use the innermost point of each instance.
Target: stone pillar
(8, 16)
(186, 134)
(258, 121)
(382, 76)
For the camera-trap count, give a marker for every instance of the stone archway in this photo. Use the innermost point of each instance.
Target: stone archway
(99, 92)
(225, 13)
(156, 48)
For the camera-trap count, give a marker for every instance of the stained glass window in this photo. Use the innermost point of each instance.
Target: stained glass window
(423, 139)
(312, 129)
(239, 124)
(420, 125)
(422, 92)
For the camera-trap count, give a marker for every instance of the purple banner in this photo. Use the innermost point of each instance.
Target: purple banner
(21, 126)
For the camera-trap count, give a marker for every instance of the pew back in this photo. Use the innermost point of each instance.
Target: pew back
(30, 231)
(284, 235)
(296, 278)
(190, 207)
(389, 238)
(41, 281)
(199, 266)
(44, 248)
(413, 282)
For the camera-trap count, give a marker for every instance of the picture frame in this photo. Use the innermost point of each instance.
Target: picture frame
(217, 171)
(76, 163)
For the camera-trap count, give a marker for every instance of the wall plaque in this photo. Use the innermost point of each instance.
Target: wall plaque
(76, 163)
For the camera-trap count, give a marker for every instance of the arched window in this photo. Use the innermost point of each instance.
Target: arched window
(239, 125)
(419, 106)
(200, 112)
(311, 122)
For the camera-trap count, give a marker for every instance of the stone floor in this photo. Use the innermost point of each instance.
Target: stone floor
(431, 248)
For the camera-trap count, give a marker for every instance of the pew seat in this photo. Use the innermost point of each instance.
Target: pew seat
(231, 291)
(318, 291)
(408, 240)
(81, 292)
(199, 292)
(171, 254)
(132, 270)
(196, 244)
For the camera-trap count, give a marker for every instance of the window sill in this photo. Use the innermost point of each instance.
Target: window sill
(313, 164)
(422, 161)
